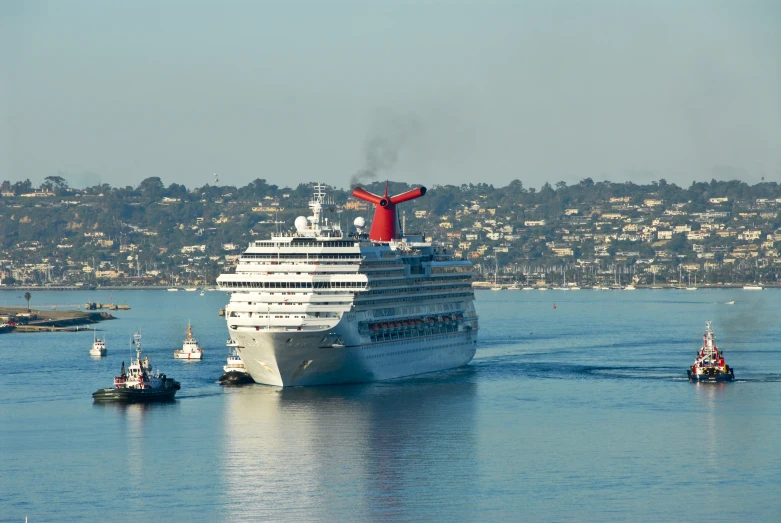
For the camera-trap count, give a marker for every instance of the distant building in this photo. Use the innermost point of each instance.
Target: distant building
(44, 193)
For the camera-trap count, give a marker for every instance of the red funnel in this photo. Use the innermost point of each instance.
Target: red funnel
(384, 224)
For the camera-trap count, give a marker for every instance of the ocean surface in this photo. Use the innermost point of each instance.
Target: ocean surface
(580, 412)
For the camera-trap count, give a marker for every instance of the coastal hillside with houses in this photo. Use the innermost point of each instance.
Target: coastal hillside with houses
(717, 233)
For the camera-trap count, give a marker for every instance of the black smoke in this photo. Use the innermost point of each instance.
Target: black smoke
(390, 138)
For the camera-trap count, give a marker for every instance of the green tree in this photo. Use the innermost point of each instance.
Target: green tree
(55, 183)
(151, 188)
(678, 243)
(27, 297)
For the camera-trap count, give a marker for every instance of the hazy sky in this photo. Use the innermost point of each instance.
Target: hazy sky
(433, 92)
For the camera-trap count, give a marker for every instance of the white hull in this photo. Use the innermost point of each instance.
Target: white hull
(317, 307)
(179, 355)
(272, 360)
(97, 352)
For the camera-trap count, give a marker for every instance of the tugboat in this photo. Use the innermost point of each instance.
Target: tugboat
(190, 348)
(138, 383)
(235, 372)
(98, 346)
(709, 364)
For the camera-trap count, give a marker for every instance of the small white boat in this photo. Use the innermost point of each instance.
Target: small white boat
(190, 348)
(98, 346)
(731, 302)
(191, 289)
(202, 293)
(235, 372)
(752, 287)
(173, 289)
(630, 287)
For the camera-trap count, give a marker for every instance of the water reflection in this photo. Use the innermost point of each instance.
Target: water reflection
(710, 395)
(135, 423)
(373, 451)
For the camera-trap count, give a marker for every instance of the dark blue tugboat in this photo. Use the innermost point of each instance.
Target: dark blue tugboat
(138, 383)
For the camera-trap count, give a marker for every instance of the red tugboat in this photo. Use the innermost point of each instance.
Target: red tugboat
(709, 364)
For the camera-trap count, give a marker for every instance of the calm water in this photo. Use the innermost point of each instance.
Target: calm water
(579, 413)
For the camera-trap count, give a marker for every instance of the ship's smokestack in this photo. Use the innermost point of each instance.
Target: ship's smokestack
(385, 223)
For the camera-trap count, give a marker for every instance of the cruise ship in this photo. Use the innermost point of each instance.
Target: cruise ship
(316, 306)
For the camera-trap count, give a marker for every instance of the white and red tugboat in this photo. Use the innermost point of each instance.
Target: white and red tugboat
(709, 364)
(138, 383)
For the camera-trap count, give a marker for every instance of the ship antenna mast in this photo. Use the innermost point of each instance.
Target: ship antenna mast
(137, 343)
(316, 204)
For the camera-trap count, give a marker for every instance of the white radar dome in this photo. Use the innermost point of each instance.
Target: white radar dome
(301, 223)
(359, 222)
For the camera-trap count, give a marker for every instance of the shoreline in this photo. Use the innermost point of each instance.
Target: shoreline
(99, 288)
(37, 320)
(731, 287)
(475, 285)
